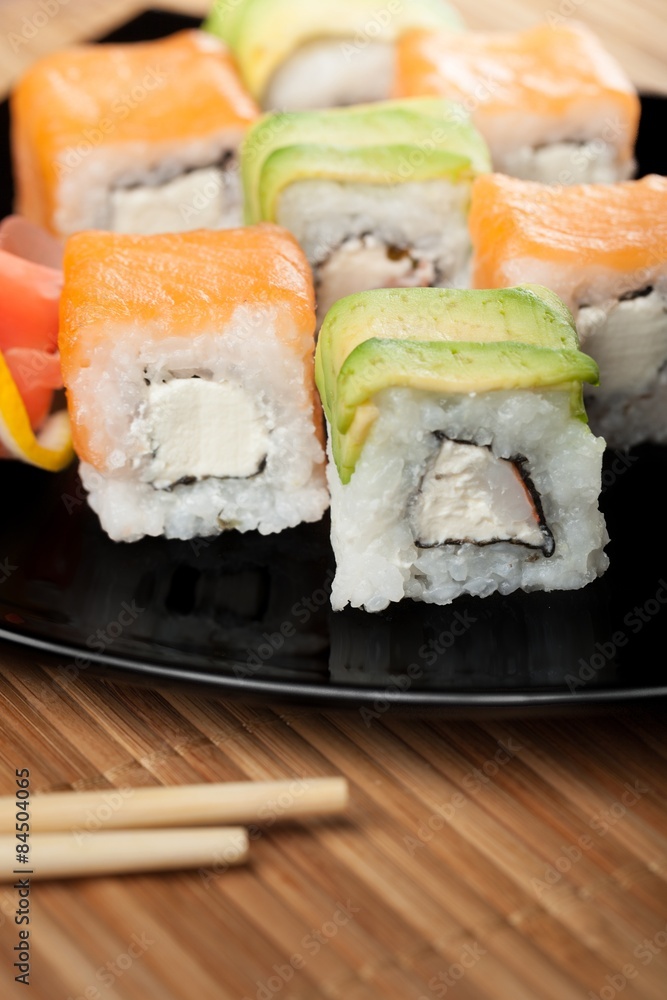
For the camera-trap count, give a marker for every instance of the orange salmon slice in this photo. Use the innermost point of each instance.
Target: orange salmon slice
(621, 227)
(547, 71)
(107, 97)
(184, 285)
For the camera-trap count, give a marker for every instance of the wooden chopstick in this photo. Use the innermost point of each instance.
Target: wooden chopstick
(63, 855)
(252, 802)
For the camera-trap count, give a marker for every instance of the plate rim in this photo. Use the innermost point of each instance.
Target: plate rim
(340, 695)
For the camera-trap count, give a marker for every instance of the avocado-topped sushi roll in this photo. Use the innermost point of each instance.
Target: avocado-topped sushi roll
(188, 363)
(461, 460)
(603, 250)
(550, 101)
(377, 195)
(135, 138)
(301, 54)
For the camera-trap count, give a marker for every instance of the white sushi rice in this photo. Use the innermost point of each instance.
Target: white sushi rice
(587, 144)
(149, 188)
(592, 162)
(378, 560)
(122, 394)
(626, 335)
(628, 339)
(209, 197)
(332, 73)
(347, 229)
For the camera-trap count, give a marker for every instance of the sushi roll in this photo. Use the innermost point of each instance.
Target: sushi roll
(460, 457)
(295, 55)
(603, 250)
(188, 363)
(550, 101)
(135, 138)
(377, 195)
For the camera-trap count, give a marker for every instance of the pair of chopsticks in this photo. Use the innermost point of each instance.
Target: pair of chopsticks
(156, 829)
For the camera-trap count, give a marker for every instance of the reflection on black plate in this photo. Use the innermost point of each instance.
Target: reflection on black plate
(251, 614)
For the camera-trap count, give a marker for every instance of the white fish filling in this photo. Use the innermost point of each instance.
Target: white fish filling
(201, 429)
(364, 263)
(593, 162)
(468, 494)
(333, 73)
(208, 198)
(628, 339)
(350, 232)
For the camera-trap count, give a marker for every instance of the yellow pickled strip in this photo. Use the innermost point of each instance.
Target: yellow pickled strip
(51, 448)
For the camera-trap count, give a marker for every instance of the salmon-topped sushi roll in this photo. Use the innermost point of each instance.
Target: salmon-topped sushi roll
(188, 363)
(603, 250)
(295, 55)
(552, 104)
(135, 138)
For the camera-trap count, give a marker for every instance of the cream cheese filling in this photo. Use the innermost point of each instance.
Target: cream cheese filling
(628, 339)
(365, 263)
(470, 495)
(168, 207)
(200, 429)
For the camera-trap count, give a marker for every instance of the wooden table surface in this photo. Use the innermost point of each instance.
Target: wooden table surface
(495, 860)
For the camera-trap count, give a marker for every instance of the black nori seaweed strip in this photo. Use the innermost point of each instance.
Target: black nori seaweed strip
(640, 293)
(521, 463)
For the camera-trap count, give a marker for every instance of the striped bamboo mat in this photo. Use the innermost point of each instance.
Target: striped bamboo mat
(634, 30)
(505, 860)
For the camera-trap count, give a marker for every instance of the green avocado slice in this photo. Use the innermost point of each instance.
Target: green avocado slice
(389, 142)
(442, 340)
(264, 33)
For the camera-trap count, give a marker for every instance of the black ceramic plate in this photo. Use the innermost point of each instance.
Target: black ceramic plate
(251, 615)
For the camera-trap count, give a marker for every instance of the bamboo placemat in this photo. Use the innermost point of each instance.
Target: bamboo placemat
(512, 860)
(497, 860)
(633, 30)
